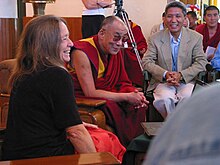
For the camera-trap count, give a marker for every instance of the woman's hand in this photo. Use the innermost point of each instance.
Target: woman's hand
(90, 125)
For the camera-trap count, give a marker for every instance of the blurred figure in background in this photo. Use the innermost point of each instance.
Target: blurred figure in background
(191, 15)
(159, 27)
(92, 16)
(186, 23)
(211, 29)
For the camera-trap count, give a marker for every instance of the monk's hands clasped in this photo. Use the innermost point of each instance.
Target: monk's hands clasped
(137, 99)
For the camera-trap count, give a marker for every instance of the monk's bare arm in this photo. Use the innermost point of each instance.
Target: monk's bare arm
(82, 67)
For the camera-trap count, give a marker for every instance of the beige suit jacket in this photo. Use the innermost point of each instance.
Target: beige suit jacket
(158, 58)
(156, 28)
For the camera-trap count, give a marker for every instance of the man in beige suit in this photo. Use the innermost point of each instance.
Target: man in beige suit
(174, 57)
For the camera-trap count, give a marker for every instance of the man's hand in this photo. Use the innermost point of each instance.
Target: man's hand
(210, 57)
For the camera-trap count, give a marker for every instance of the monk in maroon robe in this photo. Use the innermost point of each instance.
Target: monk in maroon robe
(132, 66)
(211, 29)
(98, 71)
(213, 41)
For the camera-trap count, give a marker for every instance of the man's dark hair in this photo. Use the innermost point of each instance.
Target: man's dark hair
(176, 4)
(192, 13)
(211, 8)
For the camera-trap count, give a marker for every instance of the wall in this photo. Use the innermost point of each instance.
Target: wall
(8, 28)
(146, 13)
(8, 9)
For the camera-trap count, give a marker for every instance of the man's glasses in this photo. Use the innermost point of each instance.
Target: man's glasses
(117, 38)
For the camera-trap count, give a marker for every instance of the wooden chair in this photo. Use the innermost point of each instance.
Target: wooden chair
(152, 114)
(89, 109)
(97, 158)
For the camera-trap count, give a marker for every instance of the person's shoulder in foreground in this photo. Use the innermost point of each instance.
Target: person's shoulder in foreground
(191, 135)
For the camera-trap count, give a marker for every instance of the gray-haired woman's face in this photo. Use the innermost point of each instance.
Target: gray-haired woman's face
(65, 44)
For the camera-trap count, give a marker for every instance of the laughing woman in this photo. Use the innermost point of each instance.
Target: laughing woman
(43, 119)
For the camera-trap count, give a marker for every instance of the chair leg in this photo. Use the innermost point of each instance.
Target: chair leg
(153, 115)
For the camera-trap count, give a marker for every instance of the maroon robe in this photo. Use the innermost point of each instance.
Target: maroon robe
(213, 42)
(122, 117)
(131, 63)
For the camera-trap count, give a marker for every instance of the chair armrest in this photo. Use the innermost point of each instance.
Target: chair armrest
(87, 117)
(208, 76)
(4, 104)
(201, 76)
(4, 98)
(90, 102)
(147, 77)
(6, 68)
(4, 95)
(90, 112)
